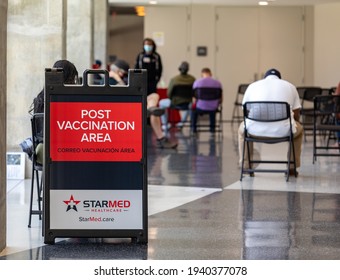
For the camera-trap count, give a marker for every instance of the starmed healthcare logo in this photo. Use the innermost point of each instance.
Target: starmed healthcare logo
(118, 205)
(71, 204)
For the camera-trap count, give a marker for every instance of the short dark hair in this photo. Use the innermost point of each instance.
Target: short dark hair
(206, 70)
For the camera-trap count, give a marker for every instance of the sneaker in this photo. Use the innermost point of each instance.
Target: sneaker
(166, 127)
(165, 143)
(155, 111)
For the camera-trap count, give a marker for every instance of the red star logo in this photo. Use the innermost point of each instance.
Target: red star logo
(71, 204)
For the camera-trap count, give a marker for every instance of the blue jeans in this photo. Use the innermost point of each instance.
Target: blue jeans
(166, 103)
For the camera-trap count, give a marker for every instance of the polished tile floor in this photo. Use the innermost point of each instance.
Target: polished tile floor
(199, 209)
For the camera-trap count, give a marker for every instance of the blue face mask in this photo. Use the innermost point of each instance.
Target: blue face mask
(148, 48)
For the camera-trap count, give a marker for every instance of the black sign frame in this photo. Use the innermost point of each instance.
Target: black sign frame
(61, 174)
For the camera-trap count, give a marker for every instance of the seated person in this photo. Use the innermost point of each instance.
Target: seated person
(70, 77)
(119, 75)
(182, 79)
(273, 88)
(98, 79)
(205, 106)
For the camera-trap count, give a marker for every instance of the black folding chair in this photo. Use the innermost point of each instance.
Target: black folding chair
(37, 124)
(265, 112)
(209, 94)
(179, 94)
(326, 111)
(307, 95)
(237, 110)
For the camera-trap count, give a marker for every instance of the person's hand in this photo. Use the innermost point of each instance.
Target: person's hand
(116, 76)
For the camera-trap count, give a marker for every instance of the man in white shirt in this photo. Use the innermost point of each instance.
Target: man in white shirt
(273, 88)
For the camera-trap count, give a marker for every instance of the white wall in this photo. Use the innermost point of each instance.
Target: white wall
(327, 45)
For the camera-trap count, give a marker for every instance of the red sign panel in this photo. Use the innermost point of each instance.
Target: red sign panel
(95, 131)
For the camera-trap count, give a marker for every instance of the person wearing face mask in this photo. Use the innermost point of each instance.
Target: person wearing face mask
(150, 60)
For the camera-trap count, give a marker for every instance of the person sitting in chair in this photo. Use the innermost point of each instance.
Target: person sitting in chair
(273, 88)
(183, 79)
(118, 75)
(206, 106)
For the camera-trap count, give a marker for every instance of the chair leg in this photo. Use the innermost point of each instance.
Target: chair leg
(38, 194)
(35, 180)
(250, 166)
(294, 158)
(31, 198)
(289, 153)
(242, 163)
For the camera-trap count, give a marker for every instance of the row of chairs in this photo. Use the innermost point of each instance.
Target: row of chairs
(325, 115)
(186, 92)
(306, 95)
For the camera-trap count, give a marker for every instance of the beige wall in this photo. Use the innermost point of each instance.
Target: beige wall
(320, 49)
(200, 29)
(3, 48)
(207, 25)
(327, 45)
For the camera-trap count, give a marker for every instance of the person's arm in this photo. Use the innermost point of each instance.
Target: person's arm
(169, 91)
(297, 115)
(137, 66)
(114, 75)
(160, 68)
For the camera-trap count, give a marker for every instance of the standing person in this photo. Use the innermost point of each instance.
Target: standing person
(273, 88)
(205, 106)
(183, 78)
(150, 60)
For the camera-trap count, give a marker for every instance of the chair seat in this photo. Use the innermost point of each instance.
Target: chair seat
(209, 95)
(273, 140)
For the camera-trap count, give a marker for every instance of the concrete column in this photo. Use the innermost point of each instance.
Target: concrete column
(3, 64)
(100, 34)
(79, 33)
(34, 43)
